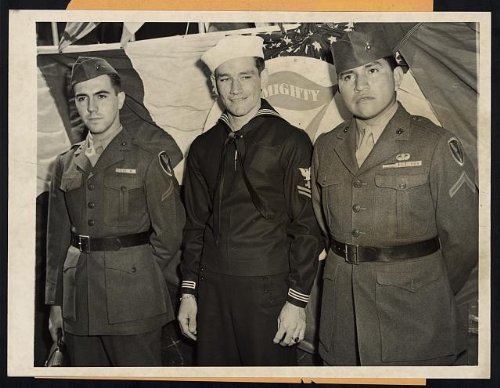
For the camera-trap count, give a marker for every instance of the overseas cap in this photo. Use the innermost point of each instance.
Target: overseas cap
(86, 68)
(230, 47)
(357, 48)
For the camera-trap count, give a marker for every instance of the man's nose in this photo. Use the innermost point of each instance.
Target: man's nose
(361, 83)
(92, 107)
(236, 87)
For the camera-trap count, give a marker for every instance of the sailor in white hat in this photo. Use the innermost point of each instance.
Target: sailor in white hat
(251, 241)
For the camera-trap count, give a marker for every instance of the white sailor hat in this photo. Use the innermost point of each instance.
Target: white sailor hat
(233, 46)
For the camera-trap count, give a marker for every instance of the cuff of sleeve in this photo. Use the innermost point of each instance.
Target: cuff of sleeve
(188, 287)
(297, 298)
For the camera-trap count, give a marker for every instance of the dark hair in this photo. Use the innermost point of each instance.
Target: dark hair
(116, 82)
(260, 64)
(391, 60)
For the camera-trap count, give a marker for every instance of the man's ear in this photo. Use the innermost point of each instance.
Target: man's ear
(214, 85)
(121, 99)
(264, 78)
(398, 77)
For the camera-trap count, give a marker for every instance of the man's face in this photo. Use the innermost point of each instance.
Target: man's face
(369, 90)
(98, 104)
(239, 84)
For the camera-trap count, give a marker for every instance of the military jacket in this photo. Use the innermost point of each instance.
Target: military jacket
(277, 162)
(415, 184)
(131, 189)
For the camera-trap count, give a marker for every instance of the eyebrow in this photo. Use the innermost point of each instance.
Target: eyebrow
(251, 71)
(370, 64)
(98, 92)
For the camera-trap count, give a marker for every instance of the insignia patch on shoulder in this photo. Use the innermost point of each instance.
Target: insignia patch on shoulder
(456, 150)
(165, 163)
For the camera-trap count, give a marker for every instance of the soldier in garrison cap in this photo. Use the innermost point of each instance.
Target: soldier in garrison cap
(251, 239)
(396, 195)
(115, 224)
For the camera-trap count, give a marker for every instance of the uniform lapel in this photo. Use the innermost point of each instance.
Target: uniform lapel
(346, 147)
(387, 145)
(81, 159)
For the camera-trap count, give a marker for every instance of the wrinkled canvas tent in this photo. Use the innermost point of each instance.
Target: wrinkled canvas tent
(167, 86)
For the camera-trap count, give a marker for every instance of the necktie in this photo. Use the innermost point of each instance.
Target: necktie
(365, 145)
(91, 152)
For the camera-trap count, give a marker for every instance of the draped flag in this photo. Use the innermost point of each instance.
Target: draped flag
(75, 31)
(168, 86)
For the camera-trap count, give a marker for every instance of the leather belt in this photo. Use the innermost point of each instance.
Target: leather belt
(88, 244)
(355, 254)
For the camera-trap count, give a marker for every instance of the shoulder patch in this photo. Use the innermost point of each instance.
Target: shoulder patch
(165, 163)
(456, 150)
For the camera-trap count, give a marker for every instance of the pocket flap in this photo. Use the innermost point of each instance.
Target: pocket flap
(406, 280)
(327, 180)
(400, 182)
(123, 182)
(130, 265)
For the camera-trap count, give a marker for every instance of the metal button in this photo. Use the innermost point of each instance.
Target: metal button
(91, 205)
(356, 233)
(356, 208)
(91, 186)
(358, 184)
(133, 269)
(91, 222)
(124, 143)
(402, 186)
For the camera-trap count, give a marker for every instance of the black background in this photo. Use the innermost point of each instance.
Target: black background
(439, 5)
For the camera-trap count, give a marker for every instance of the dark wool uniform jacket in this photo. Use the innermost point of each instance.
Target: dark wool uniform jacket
(277, 161)
(128, 191)
(415, 184)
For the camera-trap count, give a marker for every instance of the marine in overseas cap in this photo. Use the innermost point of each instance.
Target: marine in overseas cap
(86, 68)
(358, 48)
(230, 47)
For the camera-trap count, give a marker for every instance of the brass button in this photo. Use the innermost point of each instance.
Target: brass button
(91, 205)
(402, 186)
(356, 208)
(91, 186)
(357, 184)
(133, 269)
(356, 233)
(91, 222)
(124, 143)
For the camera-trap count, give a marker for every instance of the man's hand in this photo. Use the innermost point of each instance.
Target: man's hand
(291, 325)
(55, 321)
(187, 316)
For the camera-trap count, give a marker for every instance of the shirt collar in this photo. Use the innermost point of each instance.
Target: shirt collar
(99, 144)
(378, 127)
(265, 110)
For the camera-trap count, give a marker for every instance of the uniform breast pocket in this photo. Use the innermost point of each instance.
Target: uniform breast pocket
(403, 204)
(70, 182)
(124, 200)
(333, 200)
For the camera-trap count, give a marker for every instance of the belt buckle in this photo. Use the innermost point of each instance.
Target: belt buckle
(81, 243)
(351, 254)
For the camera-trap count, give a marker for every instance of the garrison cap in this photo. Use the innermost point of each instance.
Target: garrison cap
(233, 46)
(358, 48)
(86, 68)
